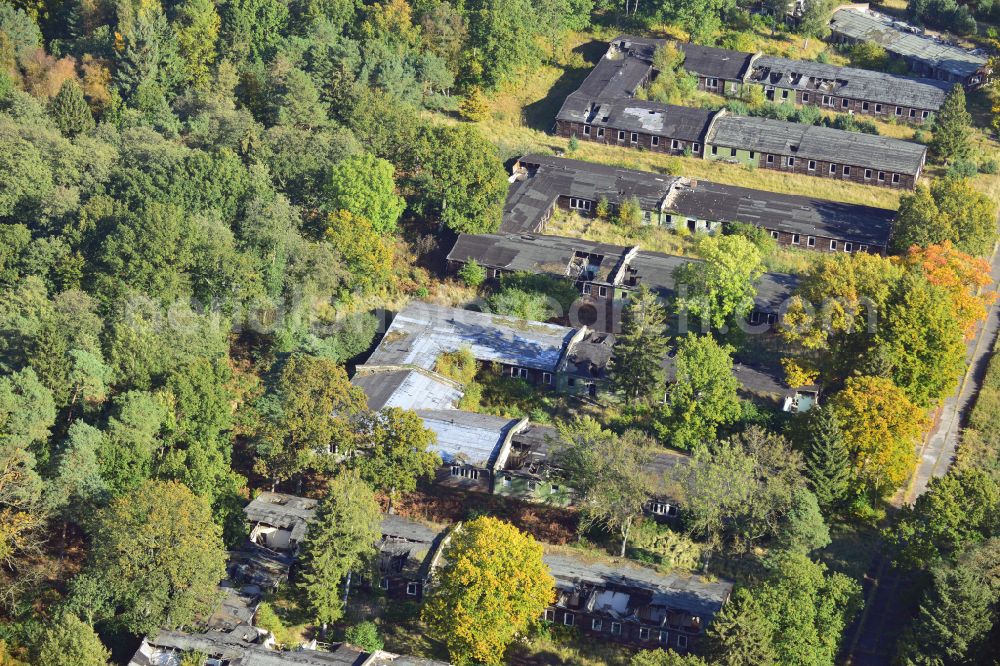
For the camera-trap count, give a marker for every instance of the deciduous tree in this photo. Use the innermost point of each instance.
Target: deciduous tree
(722, 285)
(608, 474)
(492, 587)
(70, 640)
(396, 451)
(157, 557)
(341, 539)
(703, 395)
(881, 428)
(363, 185)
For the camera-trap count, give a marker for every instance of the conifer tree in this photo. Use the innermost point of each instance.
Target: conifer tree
(637, 366)
(341, 538)
(70, 111)
(951, 127)
(826, 456)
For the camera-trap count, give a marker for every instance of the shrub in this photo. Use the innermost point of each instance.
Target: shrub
(962, 168)
(990, 166)
(460, 365)
(574, 144)
(365, 636)
(475, 106)
(738, 107)
(665, 546)
(759, 236)
(472, 273)
(268, 620)
(603, 210)
(522, 304)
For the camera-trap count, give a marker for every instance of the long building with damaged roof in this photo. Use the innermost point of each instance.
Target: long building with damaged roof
(602, 272)
(605, 109)
(542, 183)
(815, 151)
(925, 54)
(623, 602)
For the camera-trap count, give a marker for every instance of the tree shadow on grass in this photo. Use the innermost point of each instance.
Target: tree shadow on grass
(541, 115)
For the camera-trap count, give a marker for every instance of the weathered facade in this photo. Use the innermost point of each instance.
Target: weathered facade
(815, 151)
(925, 54)
(540, 183)
(624, 603)
(604, 109)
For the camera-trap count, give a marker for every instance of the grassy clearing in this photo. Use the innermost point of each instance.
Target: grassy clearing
(851, 550)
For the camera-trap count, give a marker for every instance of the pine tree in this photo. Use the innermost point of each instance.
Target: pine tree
(827, 464)
(341, 538)
(70, 111)
(951, 127)
(637, 370)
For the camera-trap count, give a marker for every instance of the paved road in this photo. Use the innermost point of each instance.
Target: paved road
(939, 448)
(872, 639)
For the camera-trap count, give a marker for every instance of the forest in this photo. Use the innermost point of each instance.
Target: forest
(209, 210)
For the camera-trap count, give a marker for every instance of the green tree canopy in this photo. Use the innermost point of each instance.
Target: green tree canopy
(395, 451)
(637, 365)
(156, 558)
(70, 111)
(491, 588)
(72, 641)
(951, 127)
(703, 394)
(722, 285)
(341, 539)
(363, 185)
(607, 472)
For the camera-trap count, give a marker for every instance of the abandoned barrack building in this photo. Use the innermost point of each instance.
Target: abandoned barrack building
(843, 89)
(541, 183)
(622, 602)
(605, 274)
(605, 109)
(924, 54)
(169, 648)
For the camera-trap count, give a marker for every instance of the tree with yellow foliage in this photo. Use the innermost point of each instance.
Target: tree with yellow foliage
(493, 586)
(365, 253)
(881, 428)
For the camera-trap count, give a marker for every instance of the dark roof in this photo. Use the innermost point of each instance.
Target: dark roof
(905, 40)
(790, 213)
(817, 143)
(550, 254)
(553, 255)
(850, 82)
(541, 179)
(714, 62)
(623, 112)
(690, 593)
(281, 510)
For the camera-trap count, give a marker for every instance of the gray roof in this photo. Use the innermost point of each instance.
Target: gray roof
(810, 142)
(546, 178)
(850, 82)
(421, 332)
(396, 527)
(785, 212)
(155, 651)
(550, 254)
(635, 115)
(715, 62)
(280, 510)
(467, 437)
(905, 40)
(689, 593)
(407, 389)
(554, 255)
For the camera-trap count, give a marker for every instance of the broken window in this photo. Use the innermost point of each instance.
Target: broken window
(895, 178)
(682, 641)
(602, 291)
(586, 130)
(550, 615)
(864, 106)
(878, 108)
(732, 152)
(812, 165)
(655, 141)
(833, 245)
(774, 235)
(770, 159)
(847, 170)
(546, 378)
(881, 176)
(616, 628)
(844, 103)
(600, 132)
(412, 589)
(811, 241)
(805, 98)
(664, 636)
(675, 144)
(568, 619)
(899, 110)
(833, 168)
(795, 239)
(643, 633)
(621, 135)
(696, 148)
(635, 137)
(791, 161)
(868, 174)
(596, 624)
(848, 247)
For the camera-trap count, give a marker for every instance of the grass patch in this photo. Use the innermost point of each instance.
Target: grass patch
(654, 238)
(559, 646)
